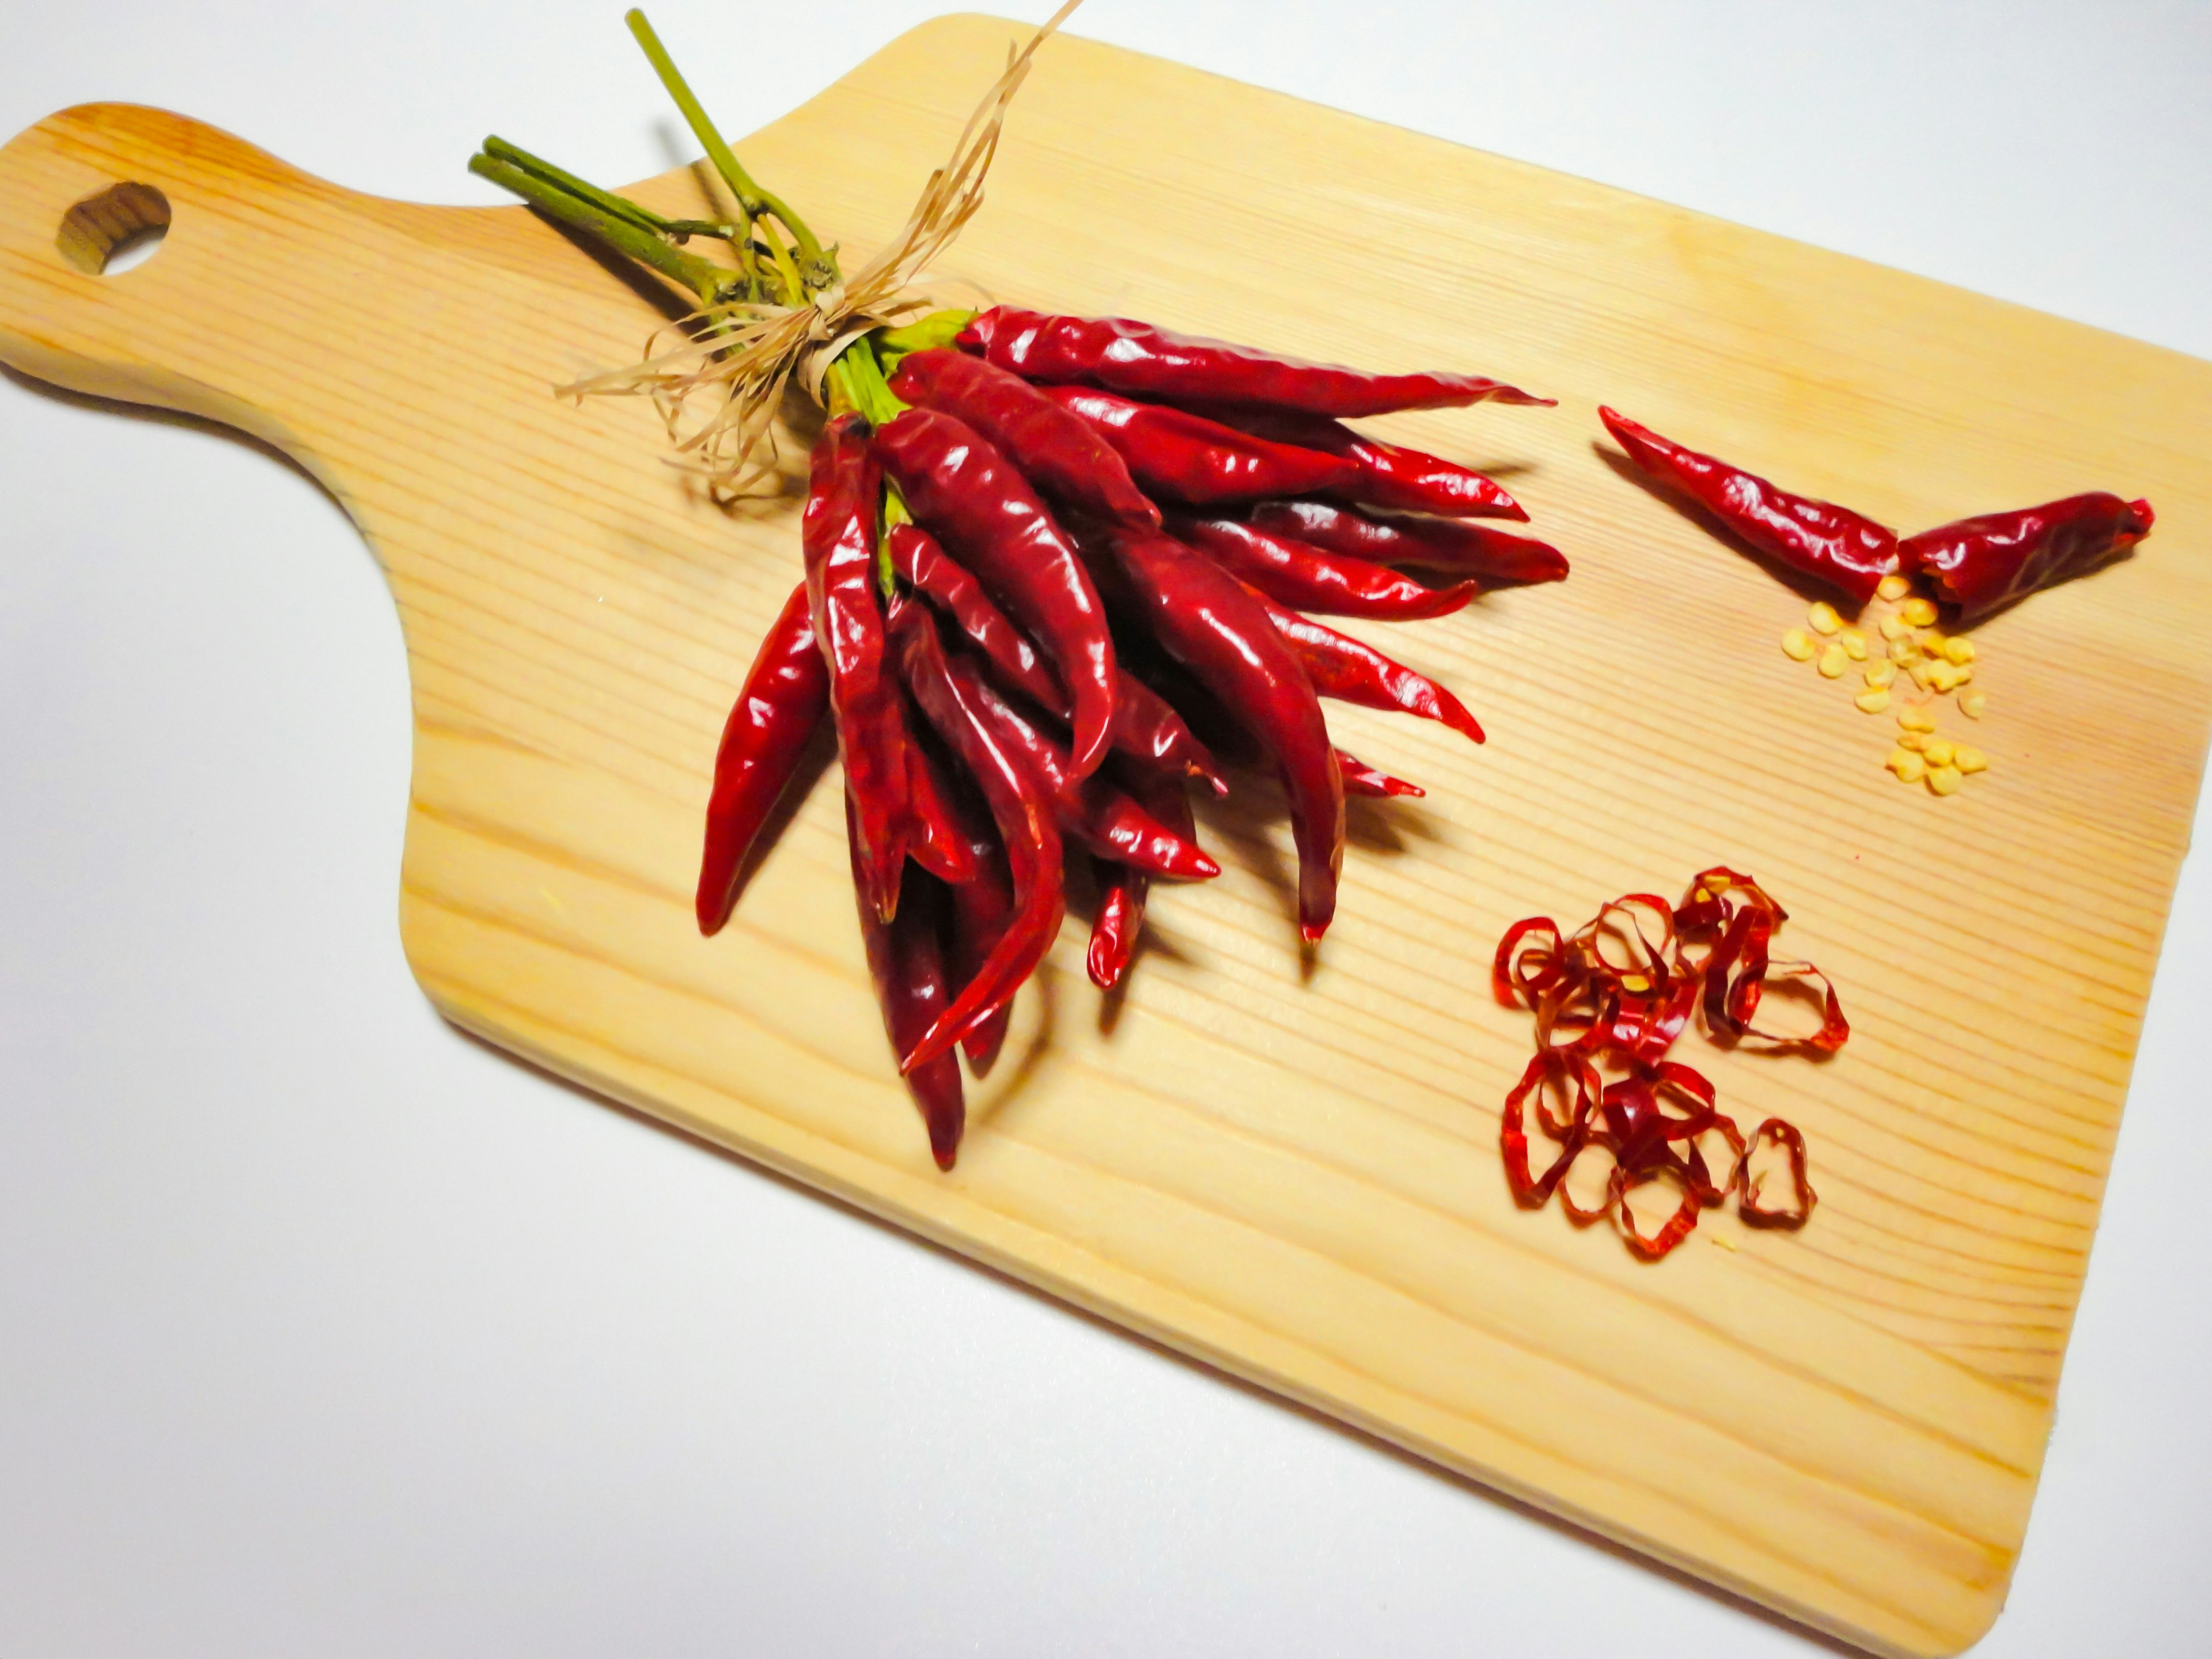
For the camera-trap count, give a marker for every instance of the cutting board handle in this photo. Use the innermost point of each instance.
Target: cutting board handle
(235, 225)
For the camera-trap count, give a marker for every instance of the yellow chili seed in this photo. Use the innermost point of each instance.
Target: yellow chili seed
(1972, 704)
(1943, 779)
(1894, 628)
(1930, 640)
(1969, 759)
(1879, 674)
(1960, 652)
(1939, 751)
(1918, 612)
(1916, 719)
(1942, 677)
(1894, 586)
(1921, 673)
(1915, 741)
(1833, 661)
(1854, 644)
(1873, 702)
(1823, 617)
(1903, 651)
(1908, 766)
(1797, 645)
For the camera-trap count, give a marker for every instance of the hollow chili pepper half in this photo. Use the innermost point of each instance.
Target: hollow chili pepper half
(1028, 831)
(906, 960)
(1125, 355)
(958, 485)
(1312, 578)
(1384, 475)
(1146, 728)
(838, 536)
(1184, 457)
(1830, 544)
(1217, 627)
(1451, 545)
(1361, 778)
(1982, 564)
(1339, 666)
(1060, 453)
(786, 693)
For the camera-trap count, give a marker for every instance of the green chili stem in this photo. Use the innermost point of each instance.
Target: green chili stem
(623, 234)
(752, 200)
(605, 200)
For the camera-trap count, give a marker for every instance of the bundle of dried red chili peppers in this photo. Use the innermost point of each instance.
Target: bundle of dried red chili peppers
(1610, 999)
(1038, 550)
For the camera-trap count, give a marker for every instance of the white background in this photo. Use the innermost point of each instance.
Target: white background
(324, 1330)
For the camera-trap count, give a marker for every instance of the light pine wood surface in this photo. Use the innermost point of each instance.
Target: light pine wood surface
(1292, 1173)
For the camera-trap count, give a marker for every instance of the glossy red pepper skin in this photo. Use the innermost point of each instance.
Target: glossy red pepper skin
(1127, 355)
(958, 485)
(934, 840)
(1830, 544)
(786, 693)
(1451, 545)
(1145, 729)
(1093, 810)
(1982, 564)
(1028, 831)
(1337, 665)
(1215, 626)
(1061, 453)
(1122, 890)
(1313, 578)
(1183, 456)
(838, 536)
(981, 909)
(1361, 778)
(1385, 475)
(906, 960)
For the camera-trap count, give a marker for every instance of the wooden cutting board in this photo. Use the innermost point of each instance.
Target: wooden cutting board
(1288, 1170)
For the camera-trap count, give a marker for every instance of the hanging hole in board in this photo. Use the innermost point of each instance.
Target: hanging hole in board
(121, 226)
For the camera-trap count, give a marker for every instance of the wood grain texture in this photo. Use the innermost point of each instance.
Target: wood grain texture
(1294, 1176)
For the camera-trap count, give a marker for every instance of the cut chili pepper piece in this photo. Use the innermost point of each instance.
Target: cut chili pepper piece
(1136, 357)
(1830, 544)
(838, 536)
(1361, 778)
(1679, 1226)
(786, 693)
(1451, 545)
(1340, 666)
(1184, 457)
(959, 486)
(1308, 578)
(1803, 1197)
(1060, 453)
(1027, 830)
(1215, 627)
(1146, 728)
(905, 959)
(1386, 476)
(1982, 564)
(1549, 1066)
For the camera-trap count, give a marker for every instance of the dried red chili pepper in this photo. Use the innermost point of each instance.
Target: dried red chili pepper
(786, 693)
(1361, 778)
(1136, 357)
(1339, 666)
(1828, 543)
(1216, 628)
(1308, 578)
(905, 959)
(981, 909)
(838, 536)
(1184, 457)
(1446, 545)
(1982, 564)
(1062, 454)
(959, 486)
(1386, 476)
(933, 837)
(1122, 889)
(1028, 831)
(1146, 728)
